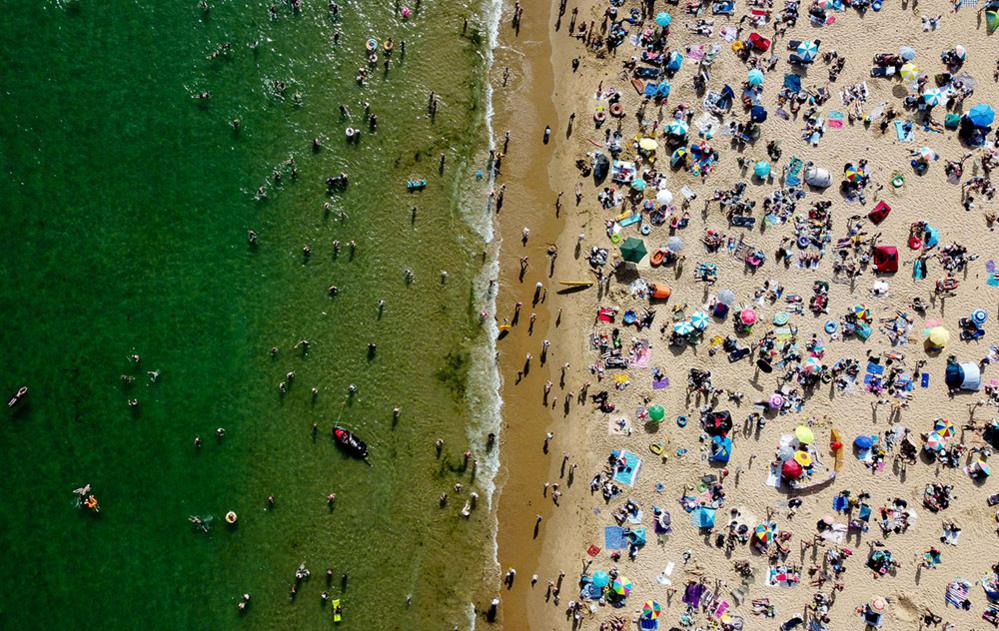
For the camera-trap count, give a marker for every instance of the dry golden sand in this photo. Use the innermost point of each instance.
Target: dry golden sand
(540, 80)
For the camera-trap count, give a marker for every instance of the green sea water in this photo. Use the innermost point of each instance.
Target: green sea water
(125, 210)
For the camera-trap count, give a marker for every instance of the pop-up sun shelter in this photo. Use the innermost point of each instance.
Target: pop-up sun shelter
(963, 376)
(886, 259)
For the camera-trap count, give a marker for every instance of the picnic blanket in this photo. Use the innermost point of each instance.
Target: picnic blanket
(957, 593)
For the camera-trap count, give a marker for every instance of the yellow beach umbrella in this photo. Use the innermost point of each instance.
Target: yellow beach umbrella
(804, 434)
(802, 458)
(910, 71)
(939, 336)
(648, 144)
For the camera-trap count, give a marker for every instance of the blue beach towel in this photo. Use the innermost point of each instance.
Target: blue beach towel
(614, 538)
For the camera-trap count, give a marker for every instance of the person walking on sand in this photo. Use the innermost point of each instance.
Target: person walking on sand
(548, 134)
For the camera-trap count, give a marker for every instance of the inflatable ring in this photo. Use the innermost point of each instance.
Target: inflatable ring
(830, 327)
(616, 238)
(600, 115)
(388, 45)
(646, 229)
(803, 242)
(616, 109)
(915, 243)
(656, 448)
(371, 44)
(681, 421)
(230, 518)
(897, 181)
(657, 257)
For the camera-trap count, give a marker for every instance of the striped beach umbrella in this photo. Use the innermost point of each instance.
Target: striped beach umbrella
(652, 609)
(764, 533)
(853, 174)
(933, 97)
(699, 320)
(934, 442)
(808, 50)
(683, 328)
(677, 128)
(622, 585)
(811, 366)
(979, 316)
(944, 427)
(910, 71)
(862, 312)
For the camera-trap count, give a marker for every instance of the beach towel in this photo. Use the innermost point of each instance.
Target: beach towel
(593, 550)
(614, 538)
(659, 384)
(836, 120)
(957, 593)
(692, 594)
(783, 576)
(904, 131)
(626, 475)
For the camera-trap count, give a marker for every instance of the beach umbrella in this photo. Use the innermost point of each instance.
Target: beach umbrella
(804, 434)
(677, 128)
(910, 71)
(764, 533)
(862, 312)
(656, 413)
(985, 468)
(776, 401)
(853, 174)
(933, 96)
(808, 50)
(664, 197)
(981, 115)
(755, 77)
(938, 336)
(726, 297)
(648, 144)
(812, 366)
(601, 579)
(674, 61)
(700, 320)
(944, 427)
(878, 604)
(674, 244)
(960, 52)
(863, 442)
(803, 458)
(908, 53)
(622, 585)
(633, 250)
(664, 19)
(934, 442)
(791, 469)
(652, 609)
(926, 154)
(638, 184)
(758, 114)
(979, 316)
(748, 316)
(683, 328)
(762, 169)
(991, 20)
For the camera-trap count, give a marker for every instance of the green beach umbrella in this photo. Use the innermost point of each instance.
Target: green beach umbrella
(633, 250)
(656, 413)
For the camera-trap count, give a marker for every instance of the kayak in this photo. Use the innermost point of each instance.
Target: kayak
(337, 610)
(350, 443)
(576, 283)
(416, 185)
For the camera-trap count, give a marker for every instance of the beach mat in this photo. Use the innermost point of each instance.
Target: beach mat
(614, 538)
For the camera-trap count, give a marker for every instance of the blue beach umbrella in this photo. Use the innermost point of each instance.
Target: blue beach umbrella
(808, 50)
(979, 316)
(981, 115)
(758, 114)
(755, 77)
(703, 517)
(699, 320)
(638, 184)
(762, 169)
(601, 579)
(664, 19)
(933, 96)
(863, 442)
(908, 53)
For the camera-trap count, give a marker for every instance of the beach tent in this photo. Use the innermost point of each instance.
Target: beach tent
(703, 517)
(821, 178)
(886, 259)
(963, 376)
(718, 423)
(721, 449)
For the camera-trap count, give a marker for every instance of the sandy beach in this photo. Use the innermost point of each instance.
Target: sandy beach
(793, 572)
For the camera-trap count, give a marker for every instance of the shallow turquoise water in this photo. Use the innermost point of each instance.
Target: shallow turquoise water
(126, 207)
